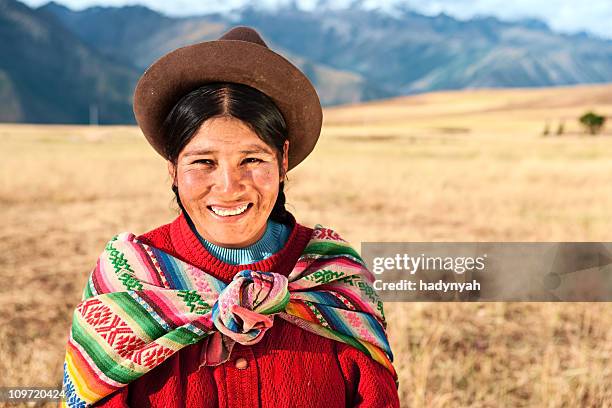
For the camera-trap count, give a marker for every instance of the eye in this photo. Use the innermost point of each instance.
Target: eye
(252, 160)
(206, 162)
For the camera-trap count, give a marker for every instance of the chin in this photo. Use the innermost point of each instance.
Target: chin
(231, 243)
(231, 237)
(234, 232)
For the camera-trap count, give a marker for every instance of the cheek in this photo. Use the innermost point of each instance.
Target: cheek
(193, 184)
(266, 181)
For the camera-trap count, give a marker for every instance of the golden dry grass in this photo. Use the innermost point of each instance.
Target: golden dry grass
(452, 166)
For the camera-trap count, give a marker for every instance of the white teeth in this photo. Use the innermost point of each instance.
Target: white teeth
(225, 212)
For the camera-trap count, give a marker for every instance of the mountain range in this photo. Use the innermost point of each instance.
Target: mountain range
(57, 64)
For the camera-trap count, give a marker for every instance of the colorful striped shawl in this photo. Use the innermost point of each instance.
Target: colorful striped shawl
(141, 305)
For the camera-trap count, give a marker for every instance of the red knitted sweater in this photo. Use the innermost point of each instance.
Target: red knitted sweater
(289, 367)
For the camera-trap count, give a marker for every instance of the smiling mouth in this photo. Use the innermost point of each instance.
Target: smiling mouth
(231, 211)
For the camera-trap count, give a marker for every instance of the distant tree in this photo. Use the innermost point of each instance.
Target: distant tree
(546, 130)
(592, 122)
(561, 128)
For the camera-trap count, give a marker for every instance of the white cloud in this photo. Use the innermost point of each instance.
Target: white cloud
(561, 15)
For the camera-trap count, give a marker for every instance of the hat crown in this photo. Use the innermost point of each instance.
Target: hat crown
(239, 56)
(242, 33)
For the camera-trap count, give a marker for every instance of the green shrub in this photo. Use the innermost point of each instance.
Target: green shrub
(592, 122)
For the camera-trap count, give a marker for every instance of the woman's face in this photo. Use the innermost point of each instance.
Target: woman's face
(228, 180)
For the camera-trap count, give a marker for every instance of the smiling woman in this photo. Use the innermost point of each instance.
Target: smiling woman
(184, 315)
(229, 178)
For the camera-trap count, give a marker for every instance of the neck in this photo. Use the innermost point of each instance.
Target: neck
(273, 239)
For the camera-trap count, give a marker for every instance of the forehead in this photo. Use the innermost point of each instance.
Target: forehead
(225, 134)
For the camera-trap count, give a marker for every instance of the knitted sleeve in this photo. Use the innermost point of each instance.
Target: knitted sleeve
(368, 383)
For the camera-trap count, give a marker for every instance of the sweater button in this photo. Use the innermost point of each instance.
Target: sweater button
(241, 363)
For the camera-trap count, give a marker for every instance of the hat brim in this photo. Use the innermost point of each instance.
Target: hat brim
(177, 73)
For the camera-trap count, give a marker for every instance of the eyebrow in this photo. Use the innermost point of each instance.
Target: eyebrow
(247, 150)
(256, 149)
(198, 152)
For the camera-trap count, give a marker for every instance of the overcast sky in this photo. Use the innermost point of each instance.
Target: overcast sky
(594, 16)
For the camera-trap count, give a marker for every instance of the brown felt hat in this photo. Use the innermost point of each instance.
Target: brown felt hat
(240, 56)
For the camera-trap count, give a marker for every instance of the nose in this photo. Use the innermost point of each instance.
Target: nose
(228, 180)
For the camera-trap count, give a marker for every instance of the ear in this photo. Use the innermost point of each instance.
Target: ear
(172, 172)
(285, 163)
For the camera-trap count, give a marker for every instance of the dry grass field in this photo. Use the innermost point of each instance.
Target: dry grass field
(452, 166)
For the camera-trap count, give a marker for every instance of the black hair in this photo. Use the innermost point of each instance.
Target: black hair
(227, 99)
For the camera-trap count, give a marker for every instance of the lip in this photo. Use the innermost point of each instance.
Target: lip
(229, 218)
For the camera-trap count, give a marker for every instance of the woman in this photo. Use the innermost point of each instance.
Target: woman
(234, 303)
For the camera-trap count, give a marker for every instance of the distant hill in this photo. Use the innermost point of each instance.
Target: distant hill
(48, 75)
(513, 112)
(404, 53)
(351, 55)
(116, 31)
(409, 52)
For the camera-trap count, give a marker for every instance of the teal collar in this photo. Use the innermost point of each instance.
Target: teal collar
(273, 240)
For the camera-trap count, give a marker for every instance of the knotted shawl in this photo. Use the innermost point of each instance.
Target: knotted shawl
(141, 305)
